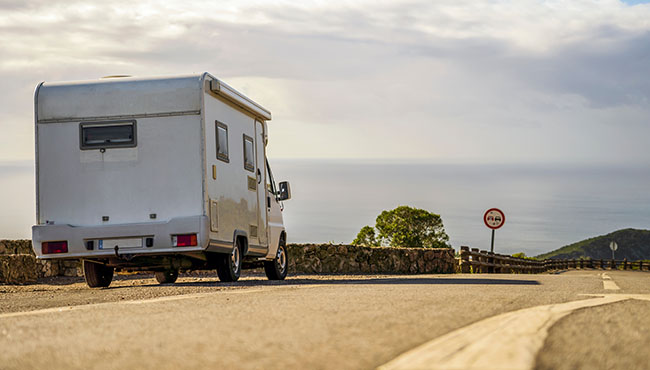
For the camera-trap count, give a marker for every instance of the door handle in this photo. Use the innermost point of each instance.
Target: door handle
(259, 176)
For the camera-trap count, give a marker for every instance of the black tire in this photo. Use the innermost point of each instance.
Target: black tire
(276, 269)
(166, 277)
(229, 265)
(97, 275)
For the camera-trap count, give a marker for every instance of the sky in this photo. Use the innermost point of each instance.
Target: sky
(435, 81)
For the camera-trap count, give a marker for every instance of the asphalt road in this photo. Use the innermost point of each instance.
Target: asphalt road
(315, 322)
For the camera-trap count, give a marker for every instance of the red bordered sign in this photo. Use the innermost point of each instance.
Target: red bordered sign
(494, 218)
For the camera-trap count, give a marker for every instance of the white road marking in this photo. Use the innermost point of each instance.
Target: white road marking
(131, 302)
(608, 283)
(507, 341)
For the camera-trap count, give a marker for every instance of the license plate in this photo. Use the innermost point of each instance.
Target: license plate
(120, 243)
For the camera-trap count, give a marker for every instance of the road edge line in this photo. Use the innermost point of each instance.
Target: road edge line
(505, 341)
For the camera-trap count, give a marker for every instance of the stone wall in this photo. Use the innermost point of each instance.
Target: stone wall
(21, 246)
(18, 269)
(18, 264)
(328, 258)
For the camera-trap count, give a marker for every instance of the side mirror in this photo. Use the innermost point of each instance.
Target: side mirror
(285, 191)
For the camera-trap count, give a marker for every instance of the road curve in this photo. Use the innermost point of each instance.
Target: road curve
(319, 322)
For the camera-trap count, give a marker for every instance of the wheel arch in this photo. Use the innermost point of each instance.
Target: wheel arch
(243, 236)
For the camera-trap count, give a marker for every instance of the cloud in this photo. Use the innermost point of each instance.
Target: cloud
(445, 80)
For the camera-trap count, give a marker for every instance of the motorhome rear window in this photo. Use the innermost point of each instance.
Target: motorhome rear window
(108, 135)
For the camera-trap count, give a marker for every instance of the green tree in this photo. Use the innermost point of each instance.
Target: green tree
(524, 256)
(405, 227)
(366, 237)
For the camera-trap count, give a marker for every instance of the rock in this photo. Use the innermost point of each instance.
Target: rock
(21, 246)
(18, 269)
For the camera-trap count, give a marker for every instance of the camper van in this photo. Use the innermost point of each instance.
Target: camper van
(156, 174)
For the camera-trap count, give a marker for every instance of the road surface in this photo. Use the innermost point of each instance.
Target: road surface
(574, 319)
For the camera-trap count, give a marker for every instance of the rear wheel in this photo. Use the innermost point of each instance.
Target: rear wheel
(229, 265)
(97, 275)
(277, 268)
(167, 277)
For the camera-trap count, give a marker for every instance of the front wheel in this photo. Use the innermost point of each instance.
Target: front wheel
(276, 269)
(97, 275)
(229, 265)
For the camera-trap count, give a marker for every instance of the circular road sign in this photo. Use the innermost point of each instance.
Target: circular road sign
(613, 246)
(494, 218)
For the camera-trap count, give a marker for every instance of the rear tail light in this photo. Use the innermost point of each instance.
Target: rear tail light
(54, 247)
(185, 240)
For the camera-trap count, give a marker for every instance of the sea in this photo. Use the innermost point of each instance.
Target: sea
(546, 206)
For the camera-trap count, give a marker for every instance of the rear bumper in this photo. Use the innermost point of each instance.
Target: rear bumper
(161, 232)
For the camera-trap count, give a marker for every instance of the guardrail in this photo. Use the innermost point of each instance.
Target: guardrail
(476, 261)
(487, 262)
(623, 264)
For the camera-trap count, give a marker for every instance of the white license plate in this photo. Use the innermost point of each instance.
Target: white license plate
(120, 243)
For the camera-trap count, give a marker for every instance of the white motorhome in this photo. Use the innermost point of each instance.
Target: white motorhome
(156, 174)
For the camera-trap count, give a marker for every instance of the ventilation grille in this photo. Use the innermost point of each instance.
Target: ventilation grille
(252, 183)
(253, 231)
(214, 224)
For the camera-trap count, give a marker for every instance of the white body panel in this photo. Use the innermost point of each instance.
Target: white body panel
(161, 176)
(236, 203)
(115, 97)
(161, 186)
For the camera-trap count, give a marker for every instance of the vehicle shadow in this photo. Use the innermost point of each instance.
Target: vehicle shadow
(210, 281)
(300, 281)
(411, 281)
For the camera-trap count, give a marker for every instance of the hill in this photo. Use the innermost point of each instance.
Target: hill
(633, 244)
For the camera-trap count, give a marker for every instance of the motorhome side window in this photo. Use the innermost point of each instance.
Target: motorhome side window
(249, 159)
(97, 135)
(222, 142)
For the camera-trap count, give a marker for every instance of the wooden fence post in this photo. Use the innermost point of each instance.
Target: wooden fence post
(476, 261)
(491, 262)
(625, 264)
(482, 260)
(501, 263)
(464, 260)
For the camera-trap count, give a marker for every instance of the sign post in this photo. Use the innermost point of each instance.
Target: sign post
(613, 246)
(494, 218)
